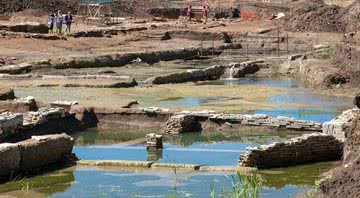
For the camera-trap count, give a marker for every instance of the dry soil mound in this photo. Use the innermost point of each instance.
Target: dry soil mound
(11, 6)
(351, 16)
(314, 15)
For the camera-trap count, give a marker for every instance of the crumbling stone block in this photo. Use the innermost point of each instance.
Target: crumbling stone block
(181, 124)
(341, 125)
(154, 141)
(309, 148)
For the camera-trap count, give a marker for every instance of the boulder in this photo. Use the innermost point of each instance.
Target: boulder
(40, 151)
(357, 100)
(181, 124)
(86, 116)
(9, 159)
(7, 94)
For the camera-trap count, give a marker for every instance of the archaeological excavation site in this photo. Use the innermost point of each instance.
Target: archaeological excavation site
(180, 98)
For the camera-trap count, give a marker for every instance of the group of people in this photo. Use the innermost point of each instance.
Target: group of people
(205, 12)
(56, 21)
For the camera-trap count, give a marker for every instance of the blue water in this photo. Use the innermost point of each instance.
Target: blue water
(309, 106)
(101, 183)
(216, 154)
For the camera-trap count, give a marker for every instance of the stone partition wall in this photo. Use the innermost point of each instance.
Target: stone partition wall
(309, 148)
(33, 153)
(10, 123)
(195, 121)
(342, 124)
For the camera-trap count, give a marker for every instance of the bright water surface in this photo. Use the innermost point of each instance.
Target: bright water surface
(195, 148)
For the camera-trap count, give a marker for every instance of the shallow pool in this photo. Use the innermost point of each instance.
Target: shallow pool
(107, 182)
(215, 149)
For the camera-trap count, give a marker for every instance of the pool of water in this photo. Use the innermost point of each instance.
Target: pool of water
(193, 148)
(95, 182)
(308, 106)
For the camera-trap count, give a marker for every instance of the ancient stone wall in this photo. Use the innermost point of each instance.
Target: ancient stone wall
(10, 124)
(341, 125)
(21, 105)
(210, 73)
(309, 148)
(34, 153)
(182, 123)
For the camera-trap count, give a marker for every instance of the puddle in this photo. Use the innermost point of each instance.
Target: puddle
(192, 148)
(92, 182)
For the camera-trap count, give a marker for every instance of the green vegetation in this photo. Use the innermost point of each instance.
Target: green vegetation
(242, 186)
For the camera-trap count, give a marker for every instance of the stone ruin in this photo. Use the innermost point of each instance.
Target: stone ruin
(309, 148)
(154, 141)
(34, 153)
(44, 114)
(66, 105)
(182, 123)
(342, 124)
(10, 123)
(191, 121)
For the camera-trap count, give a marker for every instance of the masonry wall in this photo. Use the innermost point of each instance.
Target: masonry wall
(309, 148)
(33, 153)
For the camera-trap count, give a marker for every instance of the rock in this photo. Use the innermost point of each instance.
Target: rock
(9, 159)
(154, 141)
(21, 105)
(357, 100)
(86, 116)
(44, 150)
(131, 104)
(7, 94)
(309, 148)
(226, 37)
(166, 36)
(182, 123)
(340, 125)
(66, 105)
(16, 69)
(10, 123)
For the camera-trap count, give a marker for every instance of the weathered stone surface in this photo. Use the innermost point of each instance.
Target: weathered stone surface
(16, 69)
(21, 105)
(210, 73)
(43, 150)
(357, 100)
(30, 28)
(66, 105)
(7, 94)
(154, 141)
(239, 70)
(182, 124)
(9, 159)
(309, 148)
(44, 114)
(341, 125)
(10, 123)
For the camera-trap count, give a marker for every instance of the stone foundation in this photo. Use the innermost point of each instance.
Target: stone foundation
(182, 123)
(21, 105)
(10, 124)
(341, 125)
(7, 94)
(34, 153)
(310, 148)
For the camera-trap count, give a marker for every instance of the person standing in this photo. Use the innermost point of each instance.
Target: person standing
(205, 12)
(189, 12)
(68, 21)
(59, 22)
(51, 22)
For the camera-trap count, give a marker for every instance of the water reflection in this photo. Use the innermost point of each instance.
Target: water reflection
(215, 149)
(92, 182)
